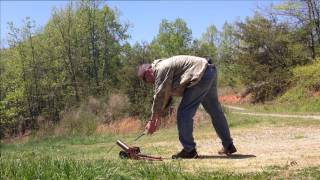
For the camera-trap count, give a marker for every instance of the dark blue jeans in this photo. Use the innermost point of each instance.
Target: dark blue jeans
(205, 92)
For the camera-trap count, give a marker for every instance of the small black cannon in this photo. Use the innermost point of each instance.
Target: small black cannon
(129, 152)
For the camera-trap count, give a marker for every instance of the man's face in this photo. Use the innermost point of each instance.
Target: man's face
(148, 76)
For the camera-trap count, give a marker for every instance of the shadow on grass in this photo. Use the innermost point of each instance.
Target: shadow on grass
(233, 156)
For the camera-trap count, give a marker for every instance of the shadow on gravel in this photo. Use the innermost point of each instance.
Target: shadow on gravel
(233, 156)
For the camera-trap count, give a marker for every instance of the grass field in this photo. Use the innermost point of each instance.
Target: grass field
(268, 148)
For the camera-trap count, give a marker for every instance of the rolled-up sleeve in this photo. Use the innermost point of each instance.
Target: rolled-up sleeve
(162, 89)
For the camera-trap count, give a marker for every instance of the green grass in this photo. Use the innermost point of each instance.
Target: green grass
(86, 157)
(32, 166)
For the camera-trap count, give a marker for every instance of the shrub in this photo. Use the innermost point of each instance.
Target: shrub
(305, 81)
(116, 107)
(77, 122)
(304, 93)
(266, 56)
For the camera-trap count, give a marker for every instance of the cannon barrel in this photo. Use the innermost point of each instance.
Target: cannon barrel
(123, 145)
(129, 152)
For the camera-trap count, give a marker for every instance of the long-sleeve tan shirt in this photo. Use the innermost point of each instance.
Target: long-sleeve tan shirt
(173, 75)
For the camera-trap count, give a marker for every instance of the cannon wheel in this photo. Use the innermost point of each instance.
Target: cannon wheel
(123, 155)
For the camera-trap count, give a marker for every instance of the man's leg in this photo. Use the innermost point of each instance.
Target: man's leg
(213, 107)
(191, 100)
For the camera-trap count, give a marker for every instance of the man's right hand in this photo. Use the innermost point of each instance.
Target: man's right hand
(151, 126)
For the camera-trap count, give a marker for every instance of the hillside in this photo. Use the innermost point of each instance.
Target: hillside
(302, 96)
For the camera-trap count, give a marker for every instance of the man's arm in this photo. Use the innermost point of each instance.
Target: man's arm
(162, 89)
(163, 83)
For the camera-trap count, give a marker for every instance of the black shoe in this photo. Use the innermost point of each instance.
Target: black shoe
(185, 154)
(228, 151)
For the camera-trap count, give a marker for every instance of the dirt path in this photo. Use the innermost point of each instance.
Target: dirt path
(259, 148)
(292, 147)
(270, 114)
(280, 115)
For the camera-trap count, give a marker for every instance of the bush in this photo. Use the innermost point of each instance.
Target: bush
(266, 56)
(77, 122)
(116, 107)
(85, 119)
(308, 76)
(305, 81)
(304, 93)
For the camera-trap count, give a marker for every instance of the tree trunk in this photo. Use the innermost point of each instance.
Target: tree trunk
(310, 28)
(106, 50)
(68, 60)
(93, 40)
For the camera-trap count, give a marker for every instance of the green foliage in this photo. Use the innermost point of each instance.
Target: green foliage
(288, 6)
(265, 56)
(308, 76)
(13, 94)
(174, 38)
(206, 46)
(302, 95)
(305, 15)
(140, 94)
(227, 50)
(210, 36)
(81, 123)
(305, 84)
(77, 54)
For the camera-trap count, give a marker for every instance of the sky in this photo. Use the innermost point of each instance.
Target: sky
(144, 16)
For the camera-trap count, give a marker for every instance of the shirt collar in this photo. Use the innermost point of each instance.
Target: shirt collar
(155, 63)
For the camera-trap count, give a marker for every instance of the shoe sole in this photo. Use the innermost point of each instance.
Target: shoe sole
(228, 153)
(194, 157)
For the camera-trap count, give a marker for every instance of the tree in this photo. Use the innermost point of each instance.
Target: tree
(206, 46)
(210, 36)
(266, 53)
(140, 94)
(64, 23)
(46, 71)
(227, 51)
(174, 38)
(90, 7)
(304, 17)
(27, 91)
(113, 42)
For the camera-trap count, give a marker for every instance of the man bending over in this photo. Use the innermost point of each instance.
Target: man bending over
(195, 79)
